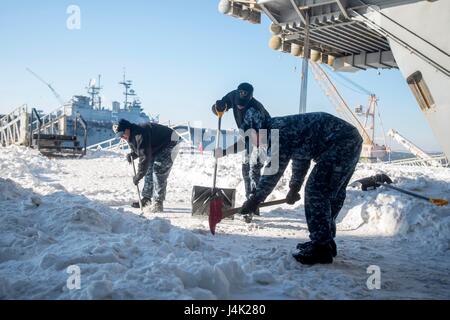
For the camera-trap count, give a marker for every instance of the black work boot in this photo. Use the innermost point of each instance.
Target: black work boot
(248, 218)
(145, 202)
(315, 253)
(304, 245)
(157, 206)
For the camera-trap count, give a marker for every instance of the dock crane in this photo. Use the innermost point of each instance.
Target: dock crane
(56, 94)
(371, 151)
(415, 150)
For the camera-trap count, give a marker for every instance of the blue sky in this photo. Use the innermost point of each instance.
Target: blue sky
(181, 55)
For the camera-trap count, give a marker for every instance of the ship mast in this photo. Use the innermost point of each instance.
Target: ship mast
(94, 90)
(128, 92)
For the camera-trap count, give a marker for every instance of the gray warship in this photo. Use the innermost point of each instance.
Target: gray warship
(99, 118)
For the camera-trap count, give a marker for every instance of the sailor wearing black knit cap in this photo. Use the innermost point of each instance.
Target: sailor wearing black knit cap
(240, 101)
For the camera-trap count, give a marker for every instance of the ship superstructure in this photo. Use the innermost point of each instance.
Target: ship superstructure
(83, 118)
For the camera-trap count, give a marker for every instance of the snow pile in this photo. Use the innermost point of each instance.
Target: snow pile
(121, 256)
(391, 213)
(57, 215)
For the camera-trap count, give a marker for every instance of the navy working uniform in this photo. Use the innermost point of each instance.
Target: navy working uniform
(335, 146)
(240, 101)
(156, 146)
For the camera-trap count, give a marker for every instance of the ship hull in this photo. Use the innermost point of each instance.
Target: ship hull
(428, 21)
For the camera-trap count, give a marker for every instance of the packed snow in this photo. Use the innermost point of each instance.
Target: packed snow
(61, 215)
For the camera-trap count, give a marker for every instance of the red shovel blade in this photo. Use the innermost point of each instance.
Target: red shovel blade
(215, 213)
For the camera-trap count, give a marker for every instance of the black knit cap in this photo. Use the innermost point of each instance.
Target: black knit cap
(244, 94)
(246, 87)
(121, 126)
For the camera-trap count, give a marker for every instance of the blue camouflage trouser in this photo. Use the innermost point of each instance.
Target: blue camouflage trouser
(325, 189)
(158, 171)
(251, 172)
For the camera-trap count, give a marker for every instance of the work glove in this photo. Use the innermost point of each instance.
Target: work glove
(136, 180)
(219, 153)
(293, 196)
(221, 106)
(250, 206)
(130, 158)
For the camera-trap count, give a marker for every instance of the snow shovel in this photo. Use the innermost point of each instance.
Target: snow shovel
(206, 200)
(378, 180)
(218, 213)
(139, 192)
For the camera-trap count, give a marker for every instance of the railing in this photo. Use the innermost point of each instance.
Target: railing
(104, 145)
(48, 123)
(35, 114)
(13, 127)
(85, 128)
(113, 144)
(118, 144)
(13, 115)
(189, 148)
(185, 136)
(52, 123)
(441, 159)
(183, 130)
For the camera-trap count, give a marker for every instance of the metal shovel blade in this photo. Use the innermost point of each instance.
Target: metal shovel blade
(215, 213)
(202, 196)
(373, 182)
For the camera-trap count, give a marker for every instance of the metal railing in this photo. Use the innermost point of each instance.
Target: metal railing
(113, 144)
(51, 123)
(118, 144)
(189, 148)
(183, 130)
(85, 129)
(38, 123)
(418, 162)
(13, 127)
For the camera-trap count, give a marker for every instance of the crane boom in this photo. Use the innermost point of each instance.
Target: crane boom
(57, 96)
(415, 150)
(330, 90)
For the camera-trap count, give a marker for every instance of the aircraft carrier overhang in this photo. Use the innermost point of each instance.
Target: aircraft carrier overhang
(353, 35)
(341, 32)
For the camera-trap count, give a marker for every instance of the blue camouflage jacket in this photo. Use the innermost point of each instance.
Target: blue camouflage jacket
(302, 138)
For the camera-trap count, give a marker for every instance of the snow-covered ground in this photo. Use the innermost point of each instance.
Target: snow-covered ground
(57, 213)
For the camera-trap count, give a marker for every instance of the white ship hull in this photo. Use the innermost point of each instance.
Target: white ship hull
(430, 21)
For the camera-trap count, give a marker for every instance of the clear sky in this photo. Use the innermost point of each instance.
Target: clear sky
(182, 57)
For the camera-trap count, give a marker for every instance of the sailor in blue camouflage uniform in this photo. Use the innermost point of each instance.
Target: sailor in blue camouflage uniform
(240, 101)
(335, 146)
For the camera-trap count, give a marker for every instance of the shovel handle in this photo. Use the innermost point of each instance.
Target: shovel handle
(138, 191)
(233, 211)
(437, 202)
(216, 162)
